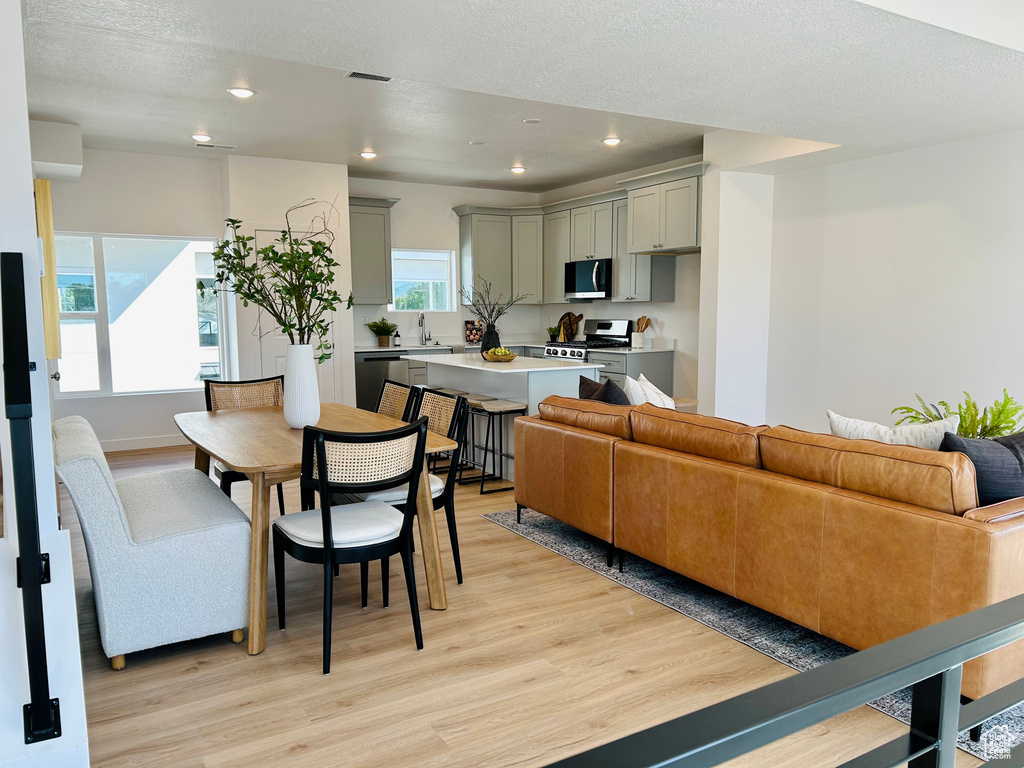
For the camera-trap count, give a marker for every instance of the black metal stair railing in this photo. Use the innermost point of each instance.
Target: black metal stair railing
(931, 660)
(42, 714)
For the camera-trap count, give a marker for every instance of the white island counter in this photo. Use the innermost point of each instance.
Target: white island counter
(524, 380)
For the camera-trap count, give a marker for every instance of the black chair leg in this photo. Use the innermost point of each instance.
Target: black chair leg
(280, 497)
(449, 513)
(279, 581)
(385, 578)
(410, 584)
(364, 579)
(328, 601)
(225, 486)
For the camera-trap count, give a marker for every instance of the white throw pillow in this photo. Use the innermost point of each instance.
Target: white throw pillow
(634, 392)
(920, 435)
(654, 395)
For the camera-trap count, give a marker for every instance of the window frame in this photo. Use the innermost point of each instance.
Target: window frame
(453, 288)
(101, 318)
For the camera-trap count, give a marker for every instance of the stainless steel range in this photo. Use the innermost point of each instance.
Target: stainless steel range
(597, 334)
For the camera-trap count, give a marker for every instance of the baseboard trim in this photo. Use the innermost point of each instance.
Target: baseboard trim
(142, 443)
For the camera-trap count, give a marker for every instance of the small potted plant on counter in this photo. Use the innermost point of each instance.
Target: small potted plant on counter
(552, 333)
(489, 309)
(383, 329)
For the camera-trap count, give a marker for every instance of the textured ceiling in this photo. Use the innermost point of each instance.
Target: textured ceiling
(835, 71)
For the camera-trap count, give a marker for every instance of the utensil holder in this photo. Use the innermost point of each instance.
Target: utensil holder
(638, 340)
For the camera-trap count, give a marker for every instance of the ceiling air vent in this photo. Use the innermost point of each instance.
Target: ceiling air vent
(226, 147)
(365, 76)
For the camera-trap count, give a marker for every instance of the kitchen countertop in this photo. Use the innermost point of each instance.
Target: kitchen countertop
(609, 350)
(402, 348)
(520, 365)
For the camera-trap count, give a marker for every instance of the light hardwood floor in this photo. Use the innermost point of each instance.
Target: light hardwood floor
(536, 659)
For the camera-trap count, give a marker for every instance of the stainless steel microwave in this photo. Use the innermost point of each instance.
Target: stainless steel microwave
(588, 279)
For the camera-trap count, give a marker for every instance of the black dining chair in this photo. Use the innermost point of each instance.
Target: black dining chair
(353, 463)
(446, 416)
(397, 400)
(239, 395)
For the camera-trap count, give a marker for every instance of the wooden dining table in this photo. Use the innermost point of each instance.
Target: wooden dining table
(259, 443)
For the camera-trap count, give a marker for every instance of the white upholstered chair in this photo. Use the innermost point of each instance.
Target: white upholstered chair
(168, 551)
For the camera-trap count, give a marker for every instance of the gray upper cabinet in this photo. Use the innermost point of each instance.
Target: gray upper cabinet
(663, 216)
(639, 276)
(557, 246)
(486, 251)
(528, 257)
(370, 233)
(591, 236)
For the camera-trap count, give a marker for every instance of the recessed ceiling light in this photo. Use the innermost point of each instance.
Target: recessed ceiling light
(476, 142)
(368, 155)
(242, 93)
(201, 137)
(611, 141)
(517, 169)
(532, 120)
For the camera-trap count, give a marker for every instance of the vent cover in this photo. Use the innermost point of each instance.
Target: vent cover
(226, 147)
(366, 76)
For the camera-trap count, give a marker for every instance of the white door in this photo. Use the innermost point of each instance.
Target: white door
(644, 219)
(273, 343)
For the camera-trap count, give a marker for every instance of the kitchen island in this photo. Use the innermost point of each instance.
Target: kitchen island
(524, 380)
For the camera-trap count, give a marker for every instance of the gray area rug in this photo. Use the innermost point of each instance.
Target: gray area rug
(786, 642)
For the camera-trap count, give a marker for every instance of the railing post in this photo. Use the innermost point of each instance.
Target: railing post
(935, 715)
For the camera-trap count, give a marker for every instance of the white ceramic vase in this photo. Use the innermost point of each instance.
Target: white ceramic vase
(301, 390)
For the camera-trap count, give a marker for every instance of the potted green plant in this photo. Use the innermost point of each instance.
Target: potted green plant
(489, 309)
(552, 333)
(292, 280)
(383, 329)
(1002, 418)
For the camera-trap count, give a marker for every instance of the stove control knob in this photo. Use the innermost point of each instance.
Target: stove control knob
(563, 352)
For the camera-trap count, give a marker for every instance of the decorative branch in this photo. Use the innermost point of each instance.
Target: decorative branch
(292, 279)
(485, 307)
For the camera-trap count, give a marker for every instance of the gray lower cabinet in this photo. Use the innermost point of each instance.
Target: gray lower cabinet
(370, 239)
(658, 367)
(535, 351)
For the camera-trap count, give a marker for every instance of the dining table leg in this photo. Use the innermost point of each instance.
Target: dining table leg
(258, 542)
(202, 461)
(430, 546)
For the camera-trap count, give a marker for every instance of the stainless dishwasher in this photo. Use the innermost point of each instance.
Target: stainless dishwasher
(372, 368)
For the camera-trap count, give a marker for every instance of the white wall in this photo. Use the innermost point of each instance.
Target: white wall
(17, 234)
(897, 275)
(139, 194)
(424, 219)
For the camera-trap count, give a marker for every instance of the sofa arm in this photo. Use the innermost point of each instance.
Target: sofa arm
(1011, 509)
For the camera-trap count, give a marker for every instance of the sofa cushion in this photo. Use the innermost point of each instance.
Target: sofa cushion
(606, 392)
(943, 482)
(998, 464)
(922, 435)
(698, 435)
(588, 414)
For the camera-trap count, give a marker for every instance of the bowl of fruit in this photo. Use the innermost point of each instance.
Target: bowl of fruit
(499, 355)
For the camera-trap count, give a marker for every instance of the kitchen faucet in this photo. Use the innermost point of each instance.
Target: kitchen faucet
(424, 334)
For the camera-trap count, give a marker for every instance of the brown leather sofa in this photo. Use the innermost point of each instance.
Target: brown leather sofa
(856, 540)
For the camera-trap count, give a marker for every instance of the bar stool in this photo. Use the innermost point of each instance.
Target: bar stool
(494, 438)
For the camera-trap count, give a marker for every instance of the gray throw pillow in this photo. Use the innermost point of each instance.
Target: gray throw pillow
(609, 392)
(998, 464)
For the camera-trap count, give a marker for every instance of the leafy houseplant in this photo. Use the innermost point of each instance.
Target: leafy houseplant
(383, 329)
(1002, 418)
(552, 333)
(489, 309)
(292, 280)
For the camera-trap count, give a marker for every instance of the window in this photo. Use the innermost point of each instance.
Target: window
(131, 318)
(422, 281)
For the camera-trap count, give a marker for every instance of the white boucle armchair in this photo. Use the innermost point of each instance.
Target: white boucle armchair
(168, 551)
